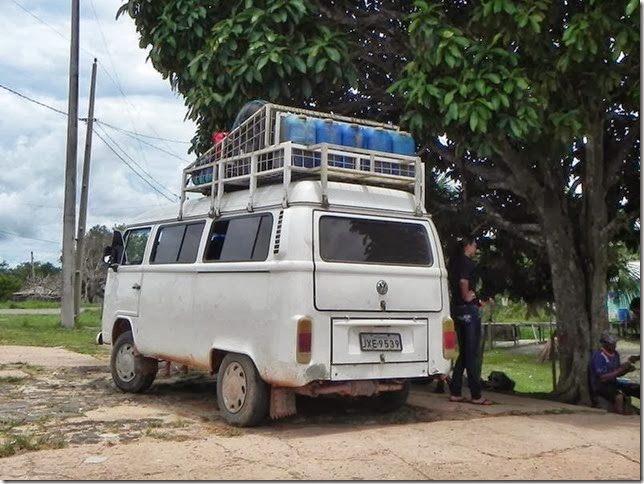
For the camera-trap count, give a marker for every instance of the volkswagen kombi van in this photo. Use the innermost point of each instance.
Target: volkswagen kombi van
(305, 269)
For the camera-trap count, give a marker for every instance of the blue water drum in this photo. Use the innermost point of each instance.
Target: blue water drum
(377, 139)
(196, 177)
(403, 143)
(352, 136)
(301, 130)
(327, 131)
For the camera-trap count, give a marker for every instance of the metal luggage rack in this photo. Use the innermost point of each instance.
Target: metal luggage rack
(251, 155)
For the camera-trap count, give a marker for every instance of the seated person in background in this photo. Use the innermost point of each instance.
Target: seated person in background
(605, 368)
(633, 324)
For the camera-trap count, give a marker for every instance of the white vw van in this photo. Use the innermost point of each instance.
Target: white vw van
(304, 269)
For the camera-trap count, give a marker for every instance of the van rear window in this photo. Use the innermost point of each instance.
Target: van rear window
(345, 239)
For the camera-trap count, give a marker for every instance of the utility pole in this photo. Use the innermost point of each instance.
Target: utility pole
(69, 210)
(33, 269)
(82, 213)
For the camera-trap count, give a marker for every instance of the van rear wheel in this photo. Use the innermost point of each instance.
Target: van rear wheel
(131, 371)
(242, 396)
(391, 401)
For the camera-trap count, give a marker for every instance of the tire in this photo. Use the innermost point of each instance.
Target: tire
(242, 396)
(131, 372)
(391, 401)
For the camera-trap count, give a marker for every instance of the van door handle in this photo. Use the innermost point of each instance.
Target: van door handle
(136, 286)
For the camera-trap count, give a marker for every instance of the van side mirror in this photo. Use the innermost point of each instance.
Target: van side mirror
(112, 253)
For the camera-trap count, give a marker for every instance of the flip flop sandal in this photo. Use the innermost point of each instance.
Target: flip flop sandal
(481, 401)
(454, 398)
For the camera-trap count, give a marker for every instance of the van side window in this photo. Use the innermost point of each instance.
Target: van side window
(344, 239)
(135, 241)
(240, 239)
(177, 243)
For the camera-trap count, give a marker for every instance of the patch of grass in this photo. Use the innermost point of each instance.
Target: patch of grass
(177, 424)
(13, 443)
(26, 367)
(529, 375)
(12, 379)
(40, 305)
(167, 436)
(45, 330)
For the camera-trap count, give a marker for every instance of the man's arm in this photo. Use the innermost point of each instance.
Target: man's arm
(467, 294)
(626, 367)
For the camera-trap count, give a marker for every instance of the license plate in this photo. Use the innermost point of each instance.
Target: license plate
(380, 342)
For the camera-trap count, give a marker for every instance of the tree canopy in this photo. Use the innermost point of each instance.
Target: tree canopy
(529, 107)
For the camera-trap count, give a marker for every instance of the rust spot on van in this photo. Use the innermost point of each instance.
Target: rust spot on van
(189, 361)
(288, 377)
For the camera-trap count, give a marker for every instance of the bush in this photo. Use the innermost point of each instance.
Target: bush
(8, 285)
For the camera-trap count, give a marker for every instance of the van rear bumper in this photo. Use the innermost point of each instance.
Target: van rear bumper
(377, 371)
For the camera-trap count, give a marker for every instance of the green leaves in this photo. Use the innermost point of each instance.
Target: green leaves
(631, 6)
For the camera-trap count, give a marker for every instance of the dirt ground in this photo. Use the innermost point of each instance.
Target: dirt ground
(61, 418)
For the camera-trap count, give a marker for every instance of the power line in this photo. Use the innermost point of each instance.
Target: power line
(143, 135)
(131, 168)
(49, 26)
(33, 100)
(145, 172)
(129, 133)
(39, 19)
(116, 82)
(145, 142)
(30, 238)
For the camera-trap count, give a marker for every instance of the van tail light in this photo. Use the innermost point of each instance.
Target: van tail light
(450, 341)
(303, 354)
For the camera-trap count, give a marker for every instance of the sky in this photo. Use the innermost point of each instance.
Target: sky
(140, 122)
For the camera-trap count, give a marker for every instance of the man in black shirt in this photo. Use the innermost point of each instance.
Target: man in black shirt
(465, 311)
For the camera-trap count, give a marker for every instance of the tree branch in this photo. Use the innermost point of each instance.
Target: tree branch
(529, 232)
(522, 176)
(611, 175)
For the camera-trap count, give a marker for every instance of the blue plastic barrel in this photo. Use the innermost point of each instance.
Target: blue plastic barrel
(301, 130)
(403, 143)
(327, 131)
(297, 129)
(196, 177)
(622, 315)
(377, 139)
(351, 135)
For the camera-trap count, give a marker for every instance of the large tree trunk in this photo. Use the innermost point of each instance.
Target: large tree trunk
(578, 264)
(573, 322)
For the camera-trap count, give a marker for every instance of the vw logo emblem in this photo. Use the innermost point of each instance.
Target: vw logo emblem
(381, 287)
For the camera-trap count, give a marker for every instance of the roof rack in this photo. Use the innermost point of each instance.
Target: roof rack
(259, 152)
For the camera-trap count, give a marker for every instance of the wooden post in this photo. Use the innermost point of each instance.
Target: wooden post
(82, 212)
(553, 358)
(69, 211)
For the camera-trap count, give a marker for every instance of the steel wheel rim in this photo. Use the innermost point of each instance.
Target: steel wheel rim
(125, 363)
(234, 387)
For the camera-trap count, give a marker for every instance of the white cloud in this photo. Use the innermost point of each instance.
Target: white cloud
(130, 96)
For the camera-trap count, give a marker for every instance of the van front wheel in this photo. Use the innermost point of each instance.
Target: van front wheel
(242, 396)
(131, 371)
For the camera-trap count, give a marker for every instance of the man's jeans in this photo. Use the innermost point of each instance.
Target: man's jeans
(468, 330)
